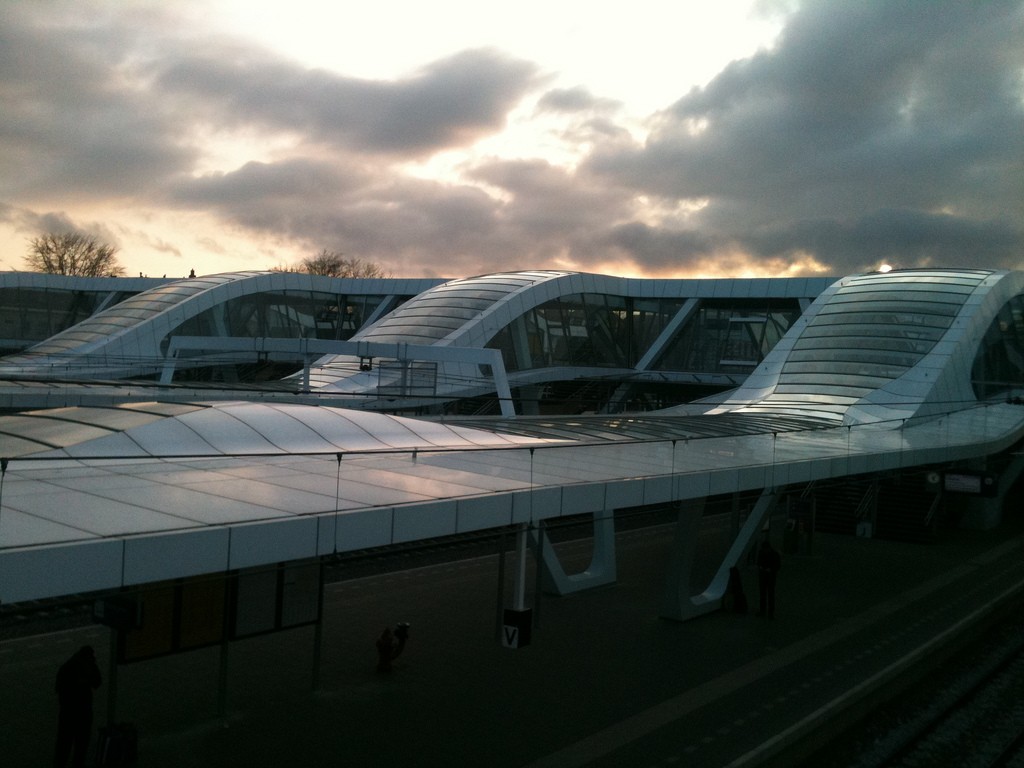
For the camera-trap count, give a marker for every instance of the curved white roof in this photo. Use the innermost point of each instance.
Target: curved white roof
(158, 430)
(882, 346)
(75, 519)
(441, 314)
(96, 499)
(125, 338)
(470, 312)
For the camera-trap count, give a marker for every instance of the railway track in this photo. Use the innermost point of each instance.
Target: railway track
(968, 713)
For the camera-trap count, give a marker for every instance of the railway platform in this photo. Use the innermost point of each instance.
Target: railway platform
(604, 681)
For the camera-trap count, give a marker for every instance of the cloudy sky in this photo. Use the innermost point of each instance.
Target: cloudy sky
(455, 138)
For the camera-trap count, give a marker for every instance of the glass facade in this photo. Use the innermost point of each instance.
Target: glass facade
(272, 314)
(446, 308)
(35, 314)
(874, 329)
(128, 313)
(283, 315)
(999, 365)
(729, 336)
(584, 329)
(605, 347)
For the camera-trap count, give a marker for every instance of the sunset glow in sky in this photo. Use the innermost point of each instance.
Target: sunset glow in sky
(670, 139)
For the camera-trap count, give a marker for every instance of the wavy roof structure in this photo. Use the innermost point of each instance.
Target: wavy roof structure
(928, 372)
(130, 338)
(894, 346)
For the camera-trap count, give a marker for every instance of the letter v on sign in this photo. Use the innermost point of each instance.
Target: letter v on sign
(510, 636)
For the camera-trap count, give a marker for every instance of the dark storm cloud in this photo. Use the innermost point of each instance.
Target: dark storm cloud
(112, 103)
(449, 102)
(901, 238)
(664, 248)
(545, 200)
(869, 128)
(349, 207)
(413, 225)
(298, 181)
(69, 128)
(870, 131)
(577, 99)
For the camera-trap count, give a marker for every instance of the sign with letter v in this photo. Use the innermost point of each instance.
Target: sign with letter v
(516, 626)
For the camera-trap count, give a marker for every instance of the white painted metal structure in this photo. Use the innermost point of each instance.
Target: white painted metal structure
(470, 312)
(439, 346)
(34, 306)
(98, 499)
(130, 338)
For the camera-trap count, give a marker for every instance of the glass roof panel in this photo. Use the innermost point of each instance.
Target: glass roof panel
(192, 506)
(130, 312)
(117, 445)
(867, 317)
(827, 357)
(873, 329)
(283, 430)
(840, 340)
(893, 304)
(391, 432)
(435, 313)
(226, 432)
(846, 368)
(835, 335)
(163, 409)
(15, 445)
(946, 276)
(170, 437)
(50, 431)
(660, 426)
(107, 418)
(100, 515)
(826, 390)
(330, 425)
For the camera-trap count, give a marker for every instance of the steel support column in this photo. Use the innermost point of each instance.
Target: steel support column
(679, 602)
(602, 568)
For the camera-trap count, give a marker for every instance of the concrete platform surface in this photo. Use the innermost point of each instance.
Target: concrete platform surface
(604, 682)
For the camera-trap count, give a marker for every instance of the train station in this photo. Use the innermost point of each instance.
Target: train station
(601, 458)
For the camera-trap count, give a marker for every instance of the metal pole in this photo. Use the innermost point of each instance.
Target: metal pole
(3, 475)
(500, 602)
(520, 598)
(318, 632)
(222, 678)
(539, 575)
(115, 651)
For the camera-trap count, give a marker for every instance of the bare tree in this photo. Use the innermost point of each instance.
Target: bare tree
(334, 264)
(72, 253)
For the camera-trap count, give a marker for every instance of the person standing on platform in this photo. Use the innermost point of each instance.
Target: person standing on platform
(77, 678)
(735, 597)
(390, 645)
(769, 562)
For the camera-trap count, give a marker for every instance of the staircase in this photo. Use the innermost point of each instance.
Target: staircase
(905, 509)
(840, 505)
(901, 508)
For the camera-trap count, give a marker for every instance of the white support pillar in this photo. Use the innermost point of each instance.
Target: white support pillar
(679, 604)
(602, 568)
(167, 374)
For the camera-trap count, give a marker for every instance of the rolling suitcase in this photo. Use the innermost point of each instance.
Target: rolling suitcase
(117, 746)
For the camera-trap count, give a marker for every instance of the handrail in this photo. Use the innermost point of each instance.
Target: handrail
(932, 510)
(867, 502)
(313, 348)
